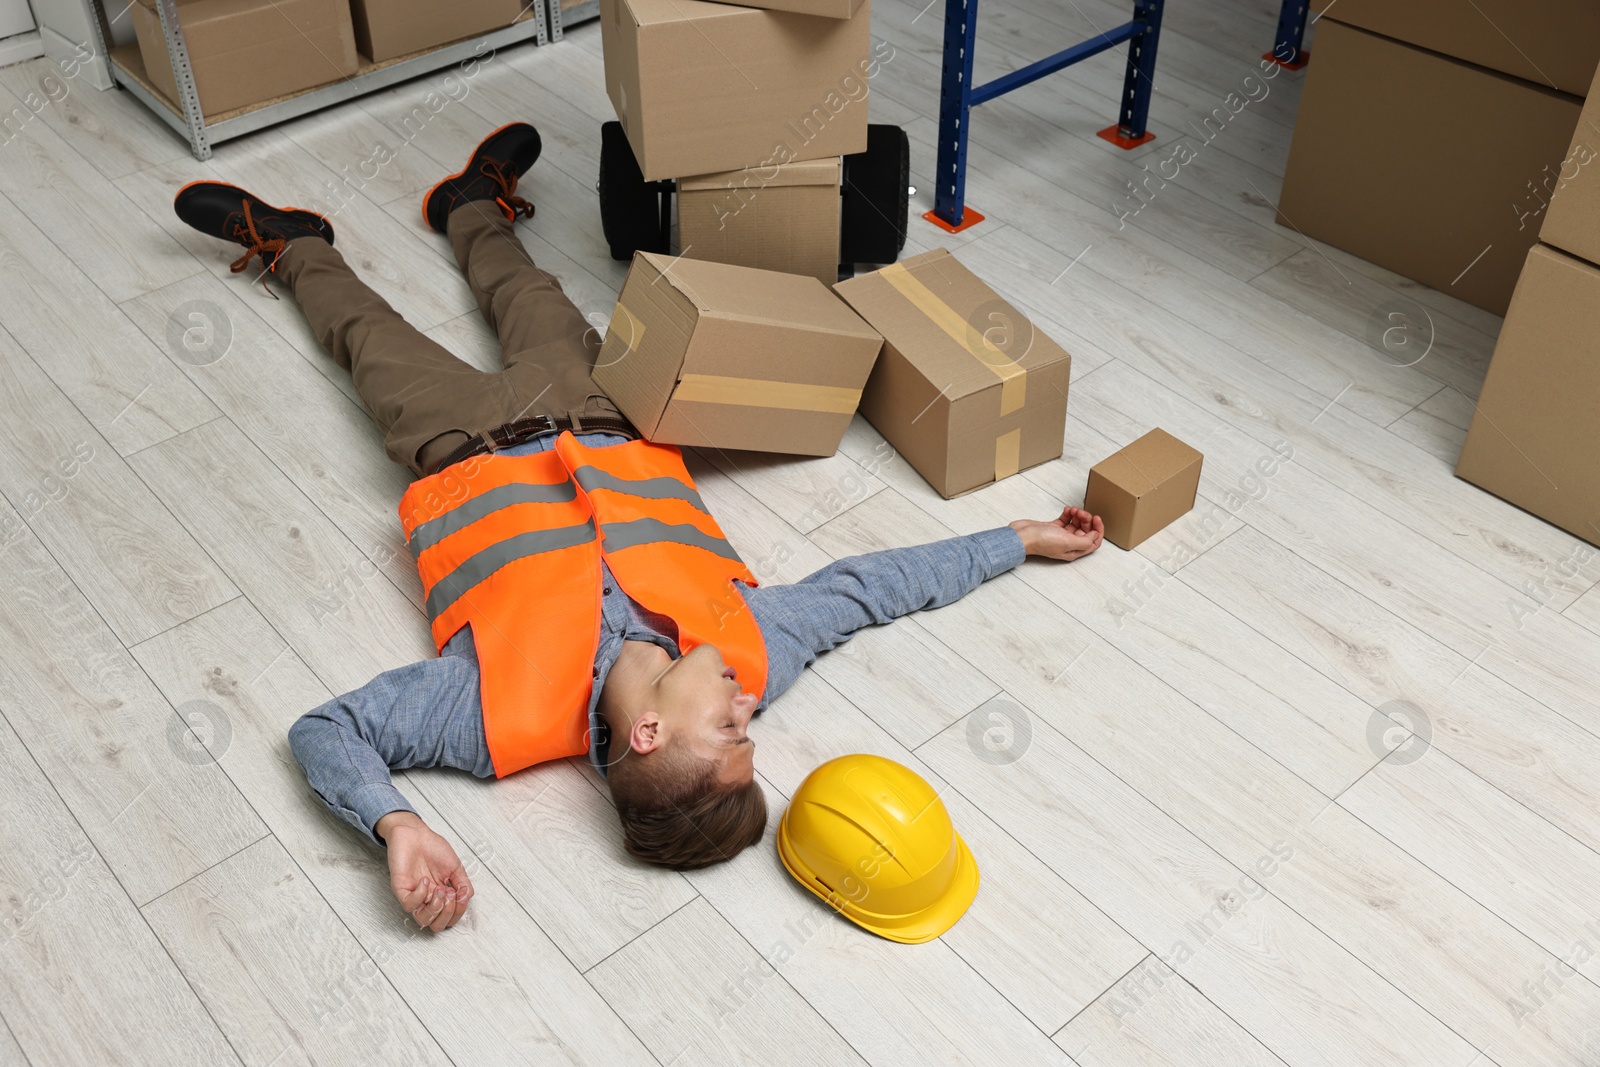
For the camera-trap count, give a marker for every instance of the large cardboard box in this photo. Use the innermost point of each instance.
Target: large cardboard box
(833, 9)
(783, 218)
(1572, 221)
(731, 357)
(1418, 162)
(386, 29)
(1535, 436)
(1139, 490)
(967, 389)
(703, 87)
(1550, 42)
(245, 52)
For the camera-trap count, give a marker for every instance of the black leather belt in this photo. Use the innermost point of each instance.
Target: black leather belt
(524, 430)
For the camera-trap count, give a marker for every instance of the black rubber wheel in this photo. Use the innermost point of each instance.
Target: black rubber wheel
(630, 207)
(876, 190)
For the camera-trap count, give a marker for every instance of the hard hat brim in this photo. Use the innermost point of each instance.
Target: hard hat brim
(912, 929)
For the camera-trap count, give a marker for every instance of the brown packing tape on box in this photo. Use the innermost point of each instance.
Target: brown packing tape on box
(707, 354)
(1007, 453)
(632, 330)
(743, 392)
(1013, 378)
(766, 393)
(967, 389)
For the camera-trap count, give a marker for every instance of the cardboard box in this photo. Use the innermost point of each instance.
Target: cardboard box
(704, 87)
(245, 52)
(1572, 221)
(1140, 489)
(1418, 162)
(1535, 436)
(967, 390)
(731, 357)
(1555, 43)
(783, 218)
(386, 29)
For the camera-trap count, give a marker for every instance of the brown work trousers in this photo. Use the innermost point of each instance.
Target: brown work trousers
(424, 399)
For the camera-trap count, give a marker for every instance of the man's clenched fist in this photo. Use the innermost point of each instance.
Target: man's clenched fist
(427, 878)
(1076, 533)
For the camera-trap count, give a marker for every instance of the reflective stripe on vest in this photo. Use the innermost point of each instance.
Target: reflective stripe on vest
(447, 590)
(435, 530)
(509, 546)
(635, 532)
(592, 478)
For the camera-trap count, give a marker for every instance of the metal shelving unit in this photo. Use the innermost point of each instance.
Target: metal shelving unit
(584, 12)
(1286, 50)
(958, 96)
(127, 70)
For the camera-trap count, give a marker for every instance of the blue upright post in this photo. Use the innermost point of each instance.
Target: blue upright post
(1286, 50)
(958, 96)
(955, 108)
(1139, 83)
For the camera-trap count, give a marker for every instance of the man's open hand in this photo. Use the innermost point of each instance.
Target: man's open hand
(1076, 533)
(427, 878)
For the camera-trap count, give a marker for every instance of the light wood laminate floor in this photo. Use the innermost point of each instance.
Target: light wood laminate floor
(1307, 779)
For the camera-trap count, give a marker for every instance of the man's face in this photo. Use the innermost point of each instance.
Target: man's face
(699, 700)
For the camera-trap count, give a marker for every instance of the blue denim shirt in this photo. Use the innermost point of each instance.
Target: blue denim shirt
(428, 714)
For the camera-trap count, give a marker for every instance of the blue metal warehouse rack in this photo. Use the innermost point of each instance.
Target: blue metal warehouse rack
(958, 96)
(1286, 51)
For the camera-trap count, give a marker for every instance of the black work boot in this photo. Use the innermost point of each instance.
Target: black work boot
(491, 174)
(228, 212)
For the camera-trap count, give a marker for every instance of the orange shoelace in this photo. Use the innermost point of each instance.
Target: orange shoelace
(509, 202)
(268, 248)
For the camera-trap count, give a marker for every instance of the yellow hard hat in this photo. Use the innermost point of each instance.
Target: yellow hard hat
(874, 840)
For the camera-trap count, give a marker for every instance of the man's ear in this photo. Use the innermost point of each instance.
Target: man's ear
(646, 734)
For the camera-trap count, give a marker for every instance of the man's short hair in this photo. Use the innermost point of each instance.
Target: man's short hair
(675, 813)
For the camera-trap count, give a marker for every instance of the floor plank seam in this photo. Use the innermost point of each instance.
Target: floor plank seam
(1223, 860)
(126, 895)
(211, 866)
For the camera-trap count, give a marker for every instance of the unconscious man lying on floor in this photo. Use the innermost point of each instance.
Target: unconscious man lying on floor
(583, 599)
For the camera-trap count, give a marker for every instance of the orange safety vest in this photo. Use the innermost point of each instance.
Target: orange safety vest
(507, 545)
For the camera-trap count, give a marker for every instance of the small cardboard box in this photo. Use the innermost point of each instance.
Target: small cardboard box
(386, 29)
(1548, 42)
(1420, 163)
(783, 218)
(1572, 222)
(1142, 488)
(704, 87)
(245, 52)
(966, 389)
(1535, 436)
(732, 357)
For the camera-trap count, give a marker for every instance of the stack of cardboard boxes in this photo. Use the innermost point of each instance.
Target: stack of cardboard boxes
(1535, 436)
(1430, 132)
(749, 108)
(739, 343)
(248, 52)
